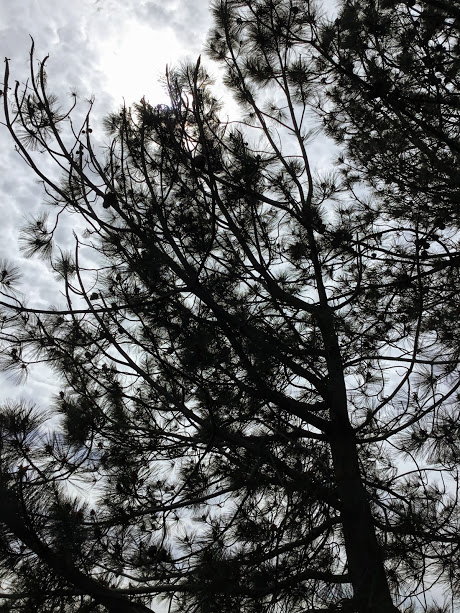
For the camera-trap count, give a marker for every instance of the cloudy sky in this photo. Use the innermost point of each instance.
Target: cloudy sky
(113, 49)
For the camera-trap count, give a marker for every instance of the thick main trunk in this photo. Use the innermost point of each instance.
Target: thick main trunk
(364, 555)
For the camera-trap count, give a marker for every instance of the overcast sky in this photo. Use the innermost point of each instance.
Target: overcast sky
(113, 49)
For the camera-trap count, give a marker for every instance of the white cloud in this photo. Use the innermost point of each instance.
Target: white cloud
(112, 49)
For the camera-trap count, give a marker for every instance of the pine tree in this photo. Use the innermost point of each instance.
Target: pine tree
(393, 101)
(258, 362)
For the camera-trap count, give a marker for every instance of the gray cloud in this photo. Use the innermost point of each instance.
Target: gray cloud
(86, 42)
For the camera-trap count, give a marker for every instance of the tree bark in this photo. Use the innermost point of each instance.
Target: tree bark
(364, 555)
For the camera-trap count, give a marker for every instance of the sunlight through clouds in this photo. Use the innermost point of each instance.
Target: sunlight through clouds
(115, 52)
(135, 63)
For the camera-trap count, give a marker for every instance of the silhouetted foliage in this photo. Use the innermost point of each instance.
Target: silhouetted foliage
(259, 374)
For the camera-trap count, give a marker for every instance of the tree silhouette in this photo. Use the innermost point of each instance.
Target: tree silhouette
(394, 104)
(258, 362)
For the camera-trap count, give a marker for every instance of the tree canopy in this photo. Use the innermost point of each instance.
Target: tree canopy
(258, 359)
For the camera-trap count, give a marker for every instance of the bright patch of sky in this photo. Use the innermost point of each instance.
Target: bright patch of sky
(114, 50)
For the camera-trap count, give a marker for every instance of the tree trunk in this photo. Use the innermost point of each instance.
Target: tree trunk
(364, 554)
